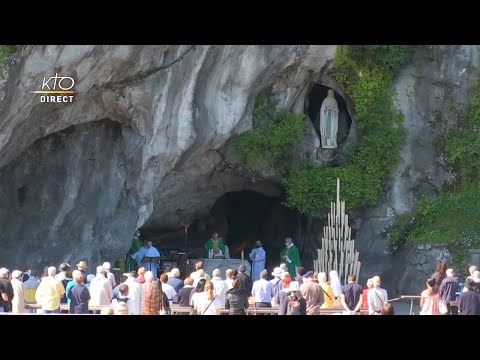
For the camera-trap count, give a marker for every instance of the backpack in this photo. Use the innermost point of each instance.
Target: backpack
(293, 307)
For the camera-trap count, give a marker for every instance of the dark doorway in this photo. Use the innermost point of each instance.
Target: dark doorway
(243, 217)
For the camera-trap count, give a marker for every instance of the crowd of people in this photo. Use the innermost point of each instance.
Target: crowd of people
(445, 288)
(301, 293)
(141, 293)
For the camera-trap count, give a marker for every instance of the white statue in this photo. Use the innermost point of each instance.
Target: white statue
(329, 121)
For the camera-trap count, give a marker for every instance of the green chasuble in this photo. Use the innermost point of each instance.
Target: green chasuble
(136, 245)
(210, 244)
(294, 256)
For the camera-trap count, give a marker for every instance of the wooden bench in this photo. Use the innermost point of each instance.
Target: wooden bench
(66, 307)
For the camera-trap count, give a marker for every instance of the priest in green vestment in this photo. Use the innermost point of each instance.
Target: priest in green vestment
(137, 244)
(291, 256)
(214, 246)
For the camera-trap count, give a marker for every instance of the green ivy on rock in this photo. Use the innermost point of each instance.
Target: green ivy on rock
(365, 73)
(451, 219)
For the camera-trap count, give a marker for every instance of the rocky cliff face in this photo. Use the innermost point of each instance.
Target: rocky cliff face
(145, 142)
(143, 132)
(430, 93)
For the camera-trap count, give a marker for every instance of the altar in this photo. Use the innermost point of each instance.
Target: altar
(222, 264)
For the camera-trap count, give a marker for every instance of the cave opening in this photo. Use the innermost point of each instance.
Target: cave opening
(243, 217)
(317, 94)
(240, 218)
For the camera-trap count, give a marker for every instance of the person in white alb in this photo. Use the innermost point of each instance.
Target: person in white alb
(135, 292)
(262, 291)
(257, 257)
(377, 297)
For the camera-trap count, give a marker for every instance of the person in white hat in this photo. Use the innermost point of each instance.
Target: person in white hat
(110, 276)
(20, 293)
(294, 304)
(6, 291)
(101, 291)
(276, 283)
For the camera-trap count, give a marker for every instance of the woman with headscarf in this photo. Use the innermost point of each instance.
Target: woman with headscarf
(337, 288)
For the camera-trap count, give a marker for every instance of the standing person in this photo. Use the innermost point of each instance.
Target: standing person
(262, 291)
(185, 292)
(101, 291)
(20, 293)
(294, 304)
(291, 255)
(430, 299)
(82, 266)
(152, 296)
(50, 292)
(208, 303)
(62, 269)
(337, 288)
(365, 295)
(246, 282)
(26, 273)
(194, 295)
(6, 291)
(439, 274)
(174, 279)
(352, 295)
(313, 294)
(168, 289)
(135, 292)
(106, 265)
(236, 299)
(469, 301)
(31, 284)
(123, 298)
(116, 291)
(377, 297)
(78, 296)
(276, 282)
(257, 257)
(327, 292)
(199, 265)
(137, 243)
(214, 246)
(68, 276)
(220, 287)
(448, 290)
(148, 250)
(282, 296)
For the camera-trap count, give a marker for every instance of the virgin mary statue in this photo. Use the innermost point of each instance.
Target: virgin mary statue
(329, 121)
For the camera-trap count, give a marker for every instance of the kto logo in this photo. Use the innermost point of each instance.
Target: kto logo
(57, 89)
